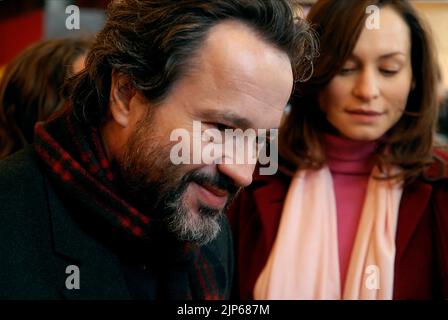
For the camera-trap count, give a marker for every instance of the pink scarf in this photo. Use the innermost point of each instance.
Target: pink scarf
(304, 262)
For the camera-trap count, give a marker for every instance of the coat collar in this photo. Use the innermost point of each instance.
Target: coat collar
(270, 194)
(100, 271)
(413, 205)
(415, 201)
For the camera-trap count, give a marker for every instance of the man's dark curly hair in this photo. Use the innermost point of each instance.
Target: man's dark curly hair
(154, 41)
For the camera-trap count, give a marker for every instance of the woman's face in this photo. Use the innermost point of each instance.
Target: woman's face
(369, 94)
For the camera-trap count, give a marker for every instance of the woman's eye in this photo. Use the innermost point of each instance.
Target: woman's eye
(347, 71)
(389, 72)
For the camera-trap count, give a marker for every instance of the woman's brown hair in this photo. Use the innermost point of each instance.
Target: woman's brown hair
(31, 89)
(409, 143)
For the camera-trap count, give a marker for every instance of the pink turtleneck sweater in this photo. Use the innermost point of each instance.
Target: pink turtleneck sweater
(350, 163)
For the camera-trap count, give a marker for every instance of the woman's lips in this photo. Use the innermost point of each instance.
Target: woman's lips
(364, 115)
(365, 112)
(211, 196)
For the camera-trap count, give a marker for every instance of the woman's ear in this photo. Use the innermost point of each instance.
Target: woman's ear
(121, 93)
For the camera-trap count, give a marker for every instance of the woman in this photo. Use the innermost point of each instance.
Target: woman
(359, 210)
(31, 88)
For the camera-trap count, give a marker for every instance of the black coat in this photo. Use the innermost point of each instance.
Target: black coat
(41, 235)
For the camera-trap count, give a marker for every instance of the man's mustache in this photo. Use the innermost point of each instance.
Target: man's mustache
(218, 181)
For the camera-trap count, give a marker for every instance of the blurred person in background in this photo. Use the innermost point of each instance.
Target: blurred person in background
(31, 88)
(360, 209)
(442, 95)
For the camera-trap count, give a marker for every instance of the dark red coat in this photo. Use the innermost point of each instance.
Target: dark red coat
(421, 262)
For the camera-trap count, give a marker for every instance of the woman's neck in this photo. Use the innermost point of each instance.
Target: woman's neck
(349, 156)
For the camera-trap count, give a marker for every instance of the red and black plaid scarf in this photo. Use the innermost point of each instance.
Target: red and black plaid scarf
(77, 164)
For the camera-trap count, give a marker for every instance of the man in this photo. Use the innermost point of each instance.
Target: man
(96, 208)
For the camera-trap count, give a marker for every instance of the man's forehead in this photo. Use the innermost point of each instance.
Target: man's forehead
(232, 45)
(237, 79)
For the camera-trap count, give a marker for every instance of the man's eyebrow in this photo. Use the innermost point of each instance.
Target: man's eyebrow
(227, 118)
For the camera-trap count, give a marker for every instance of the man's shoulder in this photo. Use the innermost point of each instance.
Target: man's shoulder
(22, 165)
(22, 187)
(24, 226)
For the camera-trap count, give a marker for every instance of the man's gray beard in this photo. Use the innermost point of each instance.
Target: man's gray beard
(200, 228)
(164, 198)
(162, 194)
(167, 205)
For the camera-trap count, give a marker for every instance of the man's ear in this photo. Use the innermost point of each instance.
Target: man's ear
(121, 93)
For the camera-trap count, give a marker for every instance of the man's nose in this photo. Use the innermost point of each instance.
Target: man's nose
(367, 85)
(241, 174)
